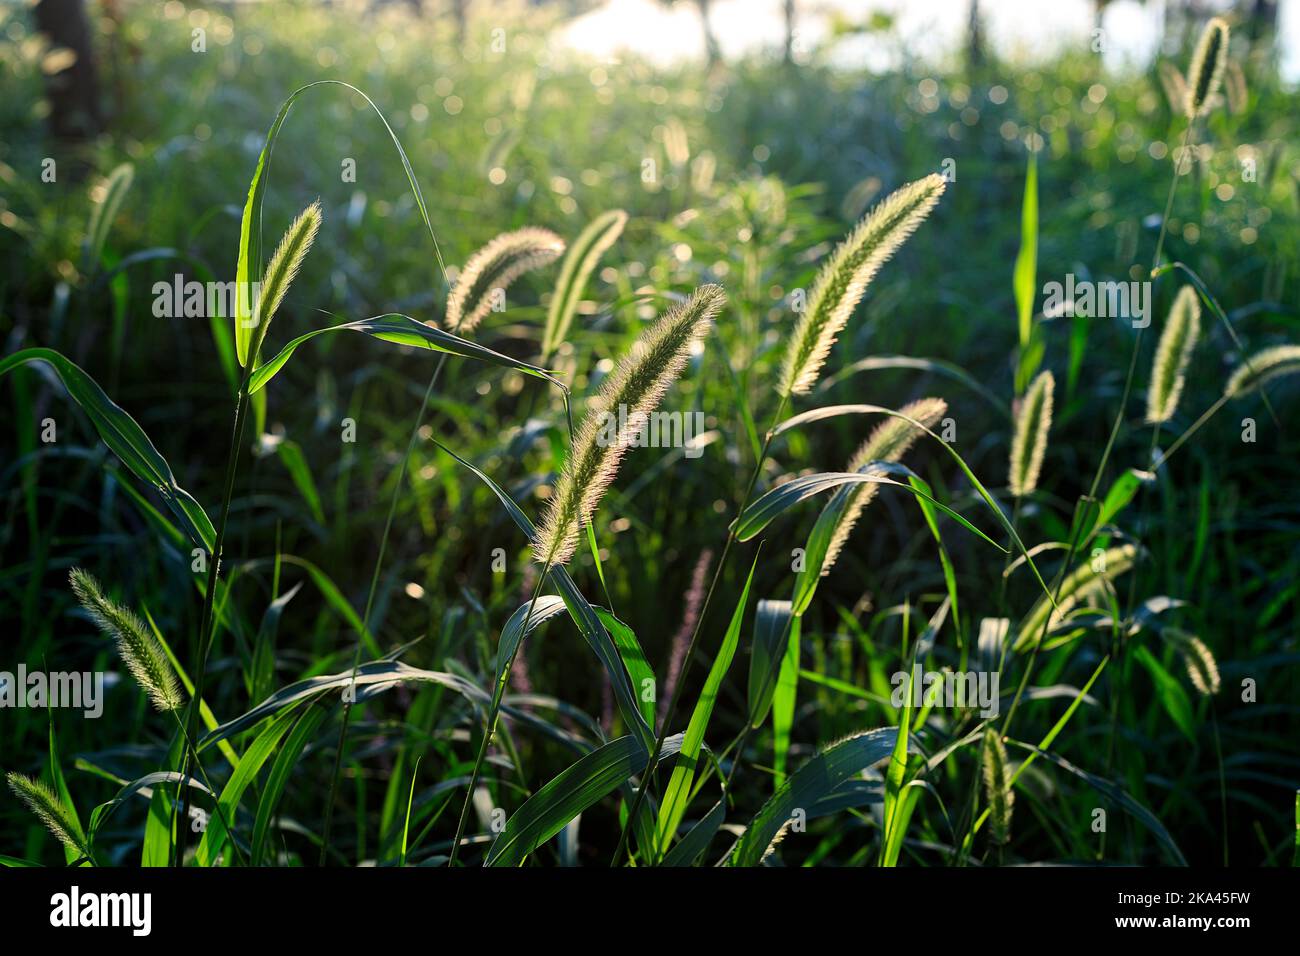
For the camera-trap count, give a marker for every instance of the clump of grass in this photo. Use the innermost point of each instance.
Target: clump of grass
(496, 266)
(997, 786)
(1206, 70)
(843, 280)
(890, 441)
(140, 650)
(51, 811)
(1177, 340)
(1029, 443)
(1202, 669)
(1263, 367)
(282, 268)
(637, 385)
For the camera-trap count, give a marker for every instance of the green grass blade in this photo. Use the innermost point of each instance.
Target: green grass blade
(780, 499)
(125, 438)
(638, 668)
(771, 627)
(401, 330)
(285, 760)
(814, 780)
(677, 795)
(834, 411)
(1025, 276)
(783, 700)
(581, 785)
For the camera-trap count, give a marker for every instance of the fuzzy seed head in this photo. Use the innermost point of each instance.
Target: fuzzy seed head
(580, 262)
(1202, 668)
(1177, 340)
(139, 649)
(890, 440)
(282, 269)
(843, 280)
(637, 384)
(1089, 580)
(997, 786)
(1206, 70)
(1262, 367)
(1029, 443)
(495, 267)
(50, 810)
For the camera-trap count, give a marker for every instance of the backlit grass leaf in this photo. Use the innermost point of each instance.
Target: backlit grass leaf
(125, 438)
(576, 788)
(814, 781)
(400, 330)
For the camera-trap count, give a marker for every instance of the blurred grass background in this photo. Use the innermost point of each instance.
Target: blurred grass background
(759, 164)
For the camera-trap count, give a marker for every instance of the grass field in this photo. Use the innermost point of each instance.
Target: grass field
(977, 370)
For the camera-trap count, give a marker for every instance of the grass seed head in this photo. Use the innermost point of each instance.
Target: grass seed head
(1088, 580)
(1262, 367)
(843, 280)
(140, 650)
(282, 268)
(1202, 668)
(636, 385)
(1206, 70)
(50, 810)
(997, 786)
(1029, 443)
(496, 266)
(1177, 340)
(890, 440)
(580, 262)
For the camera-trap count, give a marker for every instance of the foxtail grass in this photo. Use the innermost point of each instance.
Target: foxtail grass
(1206, 71)
(890, 441)
(580, 262)
(840, 285)
(624, 400)
(52, 812)
(1202, 668)
(1174, 351)
(1083, 583)
(1261, 368)
(139, 650)
(997, 786)
(280, 273)
(1029, 442)
(1203, 77)
(493, 268)
(692, 602)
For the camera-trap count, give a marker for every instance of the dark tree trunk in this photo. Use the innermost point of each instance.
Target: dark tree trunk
(1261, 26)
(789, 31)
(460, 10)
(75, 111)
(710, 41)
(974, 38)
